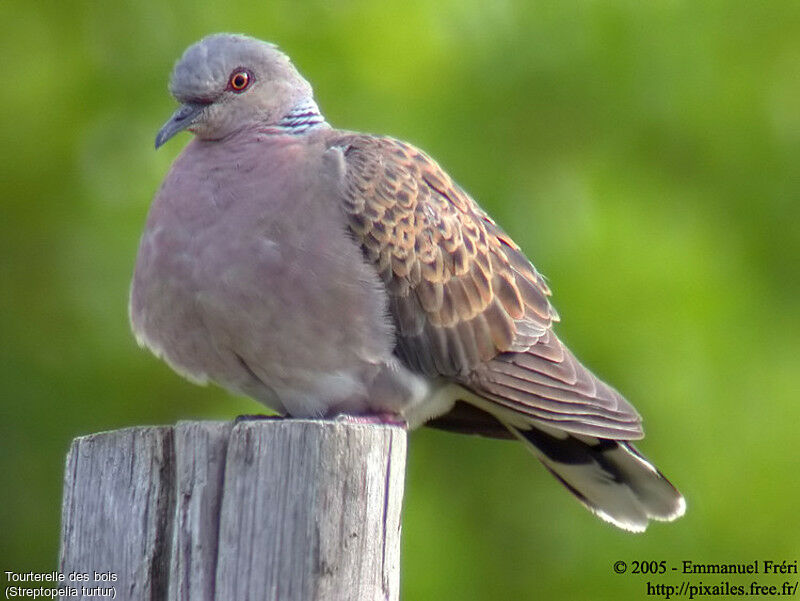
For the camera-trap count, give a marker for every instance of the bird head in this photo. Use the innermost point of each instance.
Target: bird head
(226, 82)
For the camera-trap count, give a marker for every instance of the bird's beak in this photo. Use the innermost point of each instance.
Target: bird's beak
(180, 120)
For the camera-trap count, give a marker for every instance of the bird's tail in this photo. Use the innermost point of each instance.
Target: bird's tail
(611, 478)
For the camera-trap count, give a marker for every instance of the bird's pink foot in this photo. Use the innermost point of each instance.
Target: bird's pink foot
(375, 419)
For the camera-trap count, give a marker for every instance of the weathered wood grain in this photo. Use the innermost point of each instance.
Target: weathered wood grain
(117, 512)
(311, 511)
(283, 510)
(200, 451)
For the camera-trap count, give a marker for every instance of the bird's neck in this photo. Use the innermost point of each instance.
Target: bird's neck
(301, 118)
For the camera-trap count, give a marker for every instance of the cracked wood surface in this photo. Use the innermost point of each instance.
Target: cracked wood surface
(257, 510)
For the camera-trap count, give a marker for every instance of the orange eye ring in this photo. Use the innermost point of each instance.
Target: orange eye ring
(239, 80)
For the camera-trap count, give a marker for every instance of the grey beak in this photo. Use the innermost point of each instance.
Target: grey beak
(180, 120)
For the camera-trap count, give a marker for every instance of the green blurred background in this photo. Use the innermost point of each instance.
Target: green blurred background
(644, 154)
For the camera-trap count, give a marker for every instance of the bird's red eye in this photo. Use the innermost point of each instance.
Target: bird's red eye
(239, 81)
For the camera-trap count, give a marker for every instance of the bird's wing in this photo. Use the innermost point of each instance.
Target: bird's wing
(466, 303)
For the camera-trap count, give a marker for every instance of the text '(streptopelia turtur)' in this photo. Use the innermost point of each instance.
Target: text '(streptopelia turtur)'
(325, 272)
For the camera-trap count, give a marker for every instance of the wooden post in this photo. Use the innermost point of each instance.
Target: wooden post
(278, 510)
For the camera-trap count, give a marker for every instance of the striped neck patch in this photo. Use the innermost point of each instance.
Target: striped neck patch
(301, 118)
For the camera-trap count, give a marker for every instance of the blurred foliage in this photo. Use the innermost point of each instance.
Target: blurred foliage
(644, 154)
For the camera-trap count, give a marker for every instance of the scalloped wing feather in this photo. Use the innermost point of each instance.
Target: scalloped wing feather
(466, 303)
